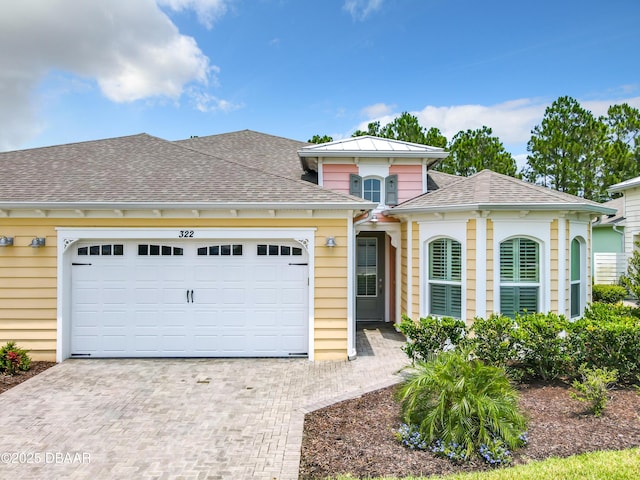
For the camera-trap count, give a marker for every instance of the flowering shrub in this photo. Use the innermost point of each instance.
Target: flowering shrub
(13, 359)
(495, 453)
(410, 437)
(451, 450)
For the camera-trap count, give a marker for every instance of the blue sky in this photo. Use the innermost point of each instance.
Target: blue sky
(295, 68)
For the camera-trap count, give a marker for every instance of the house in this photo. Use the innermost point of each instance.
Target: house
(250, 245)
(629, 208)
(608, 257)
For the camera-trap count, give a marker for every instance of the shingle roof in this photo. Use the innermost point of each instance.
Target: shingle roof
(437, 180)
(490, 190)
(259, 150)
(615, 218)
(142, 168)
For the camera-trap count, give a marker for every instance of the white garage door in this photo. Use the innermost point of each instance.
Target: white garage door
(233, 298)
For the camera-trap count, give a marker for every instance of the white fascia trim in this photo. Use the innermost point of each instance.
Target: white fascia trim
(423, 154)
(353, 205)
(67, 236)
(581, 207)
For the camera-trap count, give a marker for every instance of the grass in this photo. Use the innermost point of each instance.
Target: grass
(606, 465)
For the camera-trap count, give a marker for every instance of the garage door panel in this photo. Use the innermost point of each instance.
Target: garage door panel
(234, 296)
(236, 304)
(266, 296)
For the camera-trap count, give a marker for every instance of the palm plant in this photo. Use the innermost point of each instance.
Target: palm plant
(459, 401)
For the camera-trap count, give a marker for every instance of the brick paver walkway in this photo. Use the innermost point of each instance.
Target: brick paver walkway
(180, 418)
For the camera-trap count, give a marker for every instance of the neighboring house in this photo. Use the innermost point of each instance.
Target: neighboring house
(246, 244)
(608, 257)
(630, 190)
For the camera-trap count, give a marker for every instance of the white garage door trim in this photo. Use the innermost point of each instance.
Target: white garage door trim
(70, 236)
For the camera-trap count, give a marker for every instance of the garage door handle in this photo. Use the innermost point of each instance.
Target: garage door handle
(298, 264)
(192, 296)
(188, 301)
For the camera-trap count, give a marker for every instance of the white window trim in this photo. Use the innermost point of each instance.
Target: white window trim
(538, 284)
(444, 282)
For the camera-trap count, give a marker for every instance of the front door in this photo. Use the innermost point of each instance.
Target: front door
(370, 274)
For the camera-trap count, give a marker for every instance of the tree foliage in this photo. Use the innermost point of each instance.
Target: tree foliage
(407, 128)
(574, 152)
(474, 150)
(571, 150)
(320, 139)
(622, 159)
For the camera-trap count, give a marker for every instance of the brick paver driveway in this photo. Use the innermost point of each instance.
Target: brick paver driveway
(179, 418)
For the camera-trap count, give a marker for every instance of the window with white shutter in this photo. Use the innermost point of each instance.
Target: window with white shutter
(445, 278)
(519, 276)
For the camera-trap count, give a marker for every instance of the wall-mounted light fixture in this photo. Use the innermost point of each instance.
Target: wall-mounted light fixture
(331, 242)
(6, 241)
(374, 219)
(38, 242)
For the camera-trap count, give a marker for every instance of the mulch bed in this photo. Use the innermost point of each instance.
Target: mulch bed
(357, 436)
(10, 381)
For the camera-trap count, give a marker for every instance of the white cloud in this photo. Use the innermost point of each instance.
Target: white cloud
(377, 110)
(208, 11)
(130, 48)
(361, 9)
(511, 121)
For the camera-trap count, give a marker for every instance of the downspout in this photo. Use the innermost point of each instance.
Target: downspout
(621, 233)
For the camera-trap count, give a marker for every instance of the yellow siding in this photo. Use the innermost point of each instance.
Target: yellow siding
(490, 261)
(415, 275)
(403, 269)
(471, 269)
(553, 235)
(28, 277)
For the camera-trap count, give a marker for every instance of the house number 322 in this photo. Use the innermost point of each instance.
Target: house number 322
(186, 234)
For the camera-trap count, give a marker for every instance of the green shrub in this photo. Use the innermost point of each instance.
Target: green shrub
(608, 293)
(593, 388)
(493, 341)
(462, 404)
(541, 341)
(607, 341)
(13, 359)
(631, 280)
(430, 335)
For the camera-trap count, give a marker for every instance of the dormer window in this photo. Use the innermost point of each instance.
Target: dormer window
(371, 189)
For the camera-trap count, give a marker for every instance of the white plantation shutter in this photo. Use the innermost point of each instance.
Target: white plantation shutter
(445, 275)
(519, 276)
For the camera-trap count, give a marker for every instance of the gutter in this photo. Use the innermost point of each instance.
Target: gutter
(584, 207)
(186, 206)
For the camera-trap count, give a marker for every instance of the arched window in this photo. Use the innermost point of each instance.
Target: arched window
(371, 189)
(519, 276)
(445, 278)
(576, 277)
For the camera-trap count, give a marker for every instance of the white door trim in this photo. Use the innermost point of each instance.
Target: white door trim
(67, 236)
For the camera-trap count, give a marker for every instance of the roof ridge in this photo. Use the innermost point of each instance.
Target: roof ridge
(265, 172)
(80, 142)
(548, 190)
